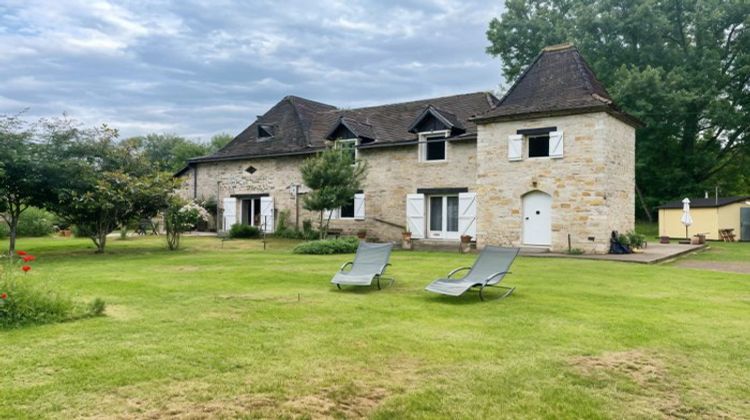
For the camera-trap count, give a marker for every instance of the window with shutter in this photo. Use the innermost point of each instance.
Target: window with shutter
(359, 206)
(467, 214)
(230, 212)
(267, 214)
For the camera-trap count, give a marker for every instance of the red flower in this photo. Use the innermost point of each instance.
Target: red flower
(29, 258)
(4, 296)
(26, 268)
(21, 252)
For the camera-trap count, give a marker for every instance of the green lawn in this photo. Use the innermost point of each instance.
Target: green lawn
(212, 331)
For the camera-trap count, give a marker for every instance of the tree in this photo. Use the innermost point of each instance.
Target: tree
(219, 140)
(180, 217)
(168, 152)
(28, 174)
(682, 67)
(333, 179)
(113, 185)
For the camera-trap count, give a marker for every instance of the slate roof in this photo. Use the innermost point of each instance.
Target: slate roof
(699, 203)
(359, 129)
(558, 82)
(301, 125)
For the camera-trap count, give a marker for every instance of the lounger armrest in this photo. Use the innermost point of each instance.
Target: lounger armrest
(345, 264)
(450, 275)
(382, 269)
(492, 276)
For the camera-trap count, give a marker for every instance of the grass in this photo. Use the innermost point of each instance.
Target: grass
(212, 331)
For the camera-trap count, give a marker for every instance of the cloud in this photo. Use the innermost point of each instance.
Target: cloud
(199, 67)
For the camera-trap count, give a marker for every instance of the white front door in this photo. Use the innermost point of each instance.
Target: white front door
(537, 218)
(443, 216)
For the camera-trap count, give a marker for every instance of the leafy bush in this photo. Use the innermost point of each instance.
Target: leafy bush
(281, 223)
(345, 245)
(635, 240)
(33, 222)
(239, 231)
(575, 251)
(25, 301)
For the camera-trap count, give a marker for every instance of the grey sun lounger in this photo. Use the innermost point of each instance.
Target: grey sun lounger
(369, 264)
(488, 270)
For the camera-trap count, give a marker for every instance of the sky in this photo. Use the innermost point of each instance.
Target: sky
(202, 67)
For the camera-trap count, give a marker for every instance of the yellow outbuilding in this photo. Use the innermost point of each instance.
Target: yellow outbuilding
(710, 215)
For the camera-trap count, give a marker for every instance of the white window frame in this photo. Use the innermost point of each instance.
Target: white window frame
(443, 233)
(424, 136)
(338, 215)
(355, 141)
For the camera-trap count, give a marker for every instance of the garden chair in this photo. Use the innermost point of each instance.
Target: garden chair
(488, 271)
(369, 264)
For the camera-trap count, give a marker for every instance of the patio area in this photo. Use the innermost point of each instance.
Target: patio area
(654, 253)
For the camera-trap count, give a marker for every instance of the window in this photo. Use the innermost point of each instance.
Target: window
(432, 148)
(348, 146)
(539, 146)
(347, 211)
(265, 131)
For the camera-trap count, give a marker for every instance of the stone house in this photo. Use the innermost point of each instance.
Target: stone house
(550, 165)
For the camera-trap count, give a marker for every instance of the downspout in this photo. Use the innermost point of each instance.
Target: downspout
(195, 182)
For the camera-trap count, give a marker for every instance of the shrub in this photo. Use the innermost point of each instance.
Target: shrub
(239, 231)
(24, 301)
(35, 222)
(575, 251)
(636, 240)
(346, 245)
(180, 217)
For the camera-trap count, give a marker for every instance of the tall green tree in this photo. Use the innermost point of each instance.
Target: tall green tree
(111, 184)
(681, 66)
(28, 173)
(333, 179)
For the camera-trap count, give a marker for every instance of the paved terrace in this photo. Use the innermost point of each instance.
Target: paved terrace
(654, 253)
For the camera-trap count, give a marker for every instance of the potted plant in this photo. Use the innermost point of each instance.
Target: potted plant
(362, 233)
(406, 239)
(465, 239)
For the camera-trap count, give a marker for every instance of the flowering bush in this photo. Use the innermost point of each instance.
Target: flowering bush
(180, 218)
(23, 299)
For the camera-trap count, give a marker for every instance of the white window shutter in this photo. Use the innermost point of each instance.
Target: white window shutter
(467, 214)
(266, 214)
(515, 147)
(230, 212)
(556, 144)
(359, 206)
(415, 220)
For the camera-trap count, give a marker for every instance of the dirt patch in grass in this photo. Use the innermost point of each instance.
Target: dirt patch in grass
(723, 266)
(334, 402)
(656, 394)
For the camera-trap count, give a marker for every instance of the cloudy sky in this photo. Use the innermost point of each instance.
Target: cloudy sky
(201, 67)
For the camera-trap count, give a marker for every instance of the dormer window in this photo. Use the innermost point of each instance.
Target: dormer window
(348, 146)
(432, 146)
(265, 131)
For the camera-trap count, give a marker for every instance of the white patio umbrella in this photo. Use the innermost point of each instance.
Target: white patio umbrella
(686, 219)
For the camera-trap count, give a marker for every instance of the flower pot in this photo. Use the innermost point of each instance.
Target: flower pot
(406, 240)
(664, 239)
(362, 234)
(465, 239)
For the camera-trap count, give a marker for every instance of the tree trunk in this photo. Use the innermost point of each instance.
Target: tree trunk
(13, 232)
(320, 225)
(643, 204)
(100, 240)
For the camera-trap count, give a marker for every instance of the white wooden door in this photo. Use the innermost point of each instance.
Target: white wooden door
(467, 214)
(443, 216)
(415, 220)
(266, 214)
(230, 212)
(537, 218)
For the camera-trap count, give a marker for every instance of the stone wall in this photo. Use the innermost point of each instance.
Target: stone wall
(592, 186)
(393, 173)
